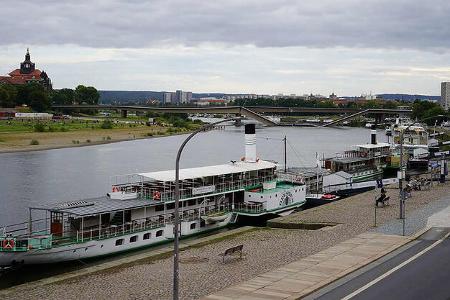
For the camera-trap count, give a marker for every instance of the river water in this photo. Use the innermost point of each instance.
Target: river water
(50, 176)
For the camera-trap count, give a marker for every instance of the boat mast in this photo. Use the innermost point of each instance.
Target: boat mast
(317, 174)
(285, 155)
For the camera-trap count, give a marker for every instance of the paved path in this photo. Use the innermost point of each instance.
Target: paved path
(304, 276)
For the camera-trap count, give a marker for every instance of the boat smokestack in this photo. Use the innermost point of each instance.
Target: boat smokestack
(373, 137)
(250, 143)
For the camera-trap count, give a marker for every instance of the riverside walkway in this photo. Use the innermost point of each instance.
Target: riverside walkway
(304, 276)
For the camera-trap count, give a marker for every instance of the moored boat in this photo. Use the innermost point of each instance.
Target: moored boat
(139, 210)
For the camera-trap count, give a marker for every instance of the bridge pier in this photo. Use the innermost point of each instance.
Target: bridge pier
(124, 113)
(379, 118)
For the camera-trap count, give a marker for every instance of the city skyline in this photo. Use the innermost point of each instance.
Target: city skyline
(260, 47)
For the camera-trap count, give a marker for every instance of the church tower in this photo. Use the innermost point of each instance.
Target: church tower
(27, 66)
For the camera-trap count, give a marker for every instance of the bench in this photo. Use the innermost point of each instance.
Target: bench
(384, 201)
(233, 250)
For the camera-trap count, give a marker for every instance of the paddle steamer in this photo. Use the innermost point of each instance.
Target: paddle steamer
(139, 210)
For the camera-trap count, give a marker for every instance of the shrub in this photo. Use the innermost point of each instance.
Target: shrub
(108, 138)
(107, 124)
(150, 134)
(34, 142)
(51, 129)
(64, 129)
(39, 127)
(74, 142)
(88, 141)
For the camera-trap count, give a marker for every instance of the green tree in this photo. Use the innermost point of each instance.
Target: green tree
(39, 100)
(433, 112)
(12, 95)
(4, 98)
(390, 104)
(63, 97)
(25, 91)
(86, 95)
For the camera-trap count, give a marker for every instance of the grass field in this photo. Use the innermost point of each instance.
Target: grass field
(26, 135)
(11, 126)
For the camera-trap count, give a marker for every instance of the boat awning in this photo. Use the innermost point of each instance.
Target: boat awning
(96, 206)
(201, 172)
(373, 146)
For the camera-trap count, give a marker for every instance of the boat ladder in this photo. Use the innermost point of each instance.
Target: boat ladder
(234, 217)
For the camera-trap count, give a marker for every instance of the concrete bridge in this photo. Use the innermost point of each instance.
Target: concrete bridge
(254, 112)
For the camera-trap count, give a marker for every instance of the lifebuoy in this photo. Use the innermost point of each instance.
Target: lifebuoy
(156, 195)
(115, 189)
(8, 244)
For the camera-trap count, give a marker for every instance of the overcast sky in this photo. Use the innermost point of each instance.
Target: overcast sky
(236, 46)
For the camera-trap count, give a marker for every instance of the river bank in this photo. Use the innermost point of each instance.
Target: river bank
(202, 271)
(34, 141)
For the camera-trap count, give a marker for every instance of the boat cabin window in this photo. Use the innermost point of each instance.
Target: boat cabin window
(146, 236)
(159, 207)
(159, 233)
(133, 239)
(119, 242)
(193, 225)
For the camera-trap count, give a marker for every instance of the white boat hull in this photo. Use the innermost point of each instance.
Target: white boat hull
(98, 248)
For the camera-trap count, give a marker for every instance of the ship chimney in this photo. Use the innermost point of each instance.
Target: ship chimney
(250, 143)
(373, 137)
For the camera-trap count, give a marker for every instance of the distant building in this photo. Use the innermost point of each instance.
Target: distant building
(210, 101)
(182, 97)
(27, 74)
(167, 98)
(189, 97)
(445, 95)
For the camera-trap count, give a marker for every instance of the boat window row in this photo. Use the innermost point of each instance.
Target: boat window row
(145, 236)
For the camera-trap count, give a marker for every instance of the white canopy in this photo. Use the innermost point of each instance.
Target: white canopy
(373, 146)
(200, 172)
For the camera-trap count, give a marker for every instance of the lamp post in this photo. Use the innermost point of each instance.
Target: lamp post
(176, 250)
(400, 182)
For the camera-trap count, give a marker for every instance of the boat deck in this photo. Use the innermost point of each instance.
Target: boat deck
(96, 206)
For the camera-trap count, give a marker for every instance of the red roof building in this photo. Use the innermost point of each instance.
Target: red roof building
(27, 74)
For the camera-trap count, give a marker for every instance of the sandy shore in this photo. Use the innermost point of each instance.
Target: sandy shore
(20, 142)
(202, 270)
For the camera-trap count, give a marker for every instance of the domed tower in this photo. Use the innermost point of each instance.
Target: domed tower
(27, 66)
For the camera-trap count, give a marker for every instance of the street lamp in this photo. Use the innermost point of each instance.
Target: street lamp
(400, 182)
(176, 250)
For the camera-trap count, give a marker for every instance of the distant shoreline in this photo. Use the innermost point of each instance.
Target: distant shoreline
(57, 140)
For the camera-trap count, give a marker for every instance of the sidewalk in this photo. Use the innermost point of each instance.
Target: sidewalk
(306, 275)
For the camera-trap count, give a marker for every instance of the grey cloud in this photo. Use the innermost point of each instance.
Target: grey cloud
(413, 24)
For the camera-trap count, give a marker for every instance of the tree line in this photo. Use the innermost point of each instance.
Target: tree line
(420, 109)
(39, 99)
(319, 103)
